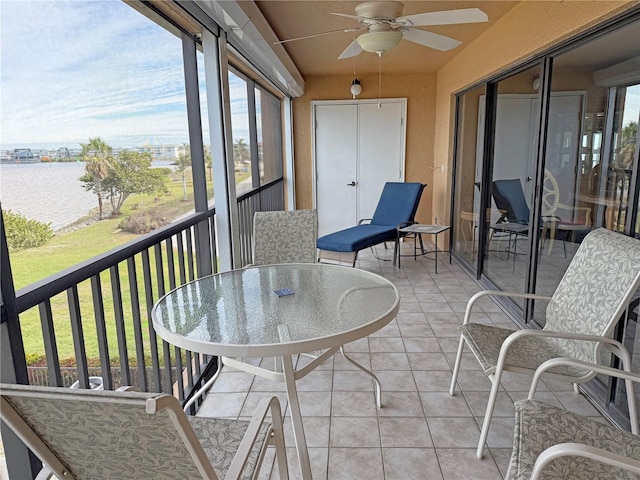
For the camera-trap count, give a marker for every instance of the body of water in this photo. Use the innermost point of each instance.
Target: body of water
(47, 192)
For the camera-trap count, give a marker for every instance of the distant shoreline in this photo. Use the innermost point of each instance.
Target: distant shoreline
(84, 221)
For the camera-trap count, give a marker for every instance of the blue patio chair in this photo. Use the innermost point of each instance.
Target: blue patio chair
(396, 209)
(509, 196)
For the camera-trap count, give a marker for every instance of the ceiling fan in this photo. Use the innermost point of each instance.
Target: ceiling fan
(385, 27)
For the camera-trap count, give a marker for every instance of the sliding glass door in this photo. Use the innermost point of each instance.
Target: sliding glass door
(510, 180)
(556, 156)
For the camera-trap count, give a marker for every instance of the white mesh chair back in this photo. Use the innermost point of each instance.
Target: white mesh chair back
(89, 434)
(285, 237)
(595, 290)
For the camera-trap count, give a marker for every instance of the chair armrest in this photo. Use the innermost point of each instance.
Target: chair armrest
(45, 473)
(498, 293)
(615, 346)
(625, 374)
(554, 362)
(571, 449)
(240, 459)
(405, 224)
(128, 388)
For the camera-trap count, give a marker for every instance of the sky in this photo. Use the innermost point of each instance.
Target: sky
(71, 70)
(74, 69)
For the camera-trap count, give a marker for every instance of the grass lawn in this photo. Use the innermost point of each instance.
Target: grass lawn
(63, 251)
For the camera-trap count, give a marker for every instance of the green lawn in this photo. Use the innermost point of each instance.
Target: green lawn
(63, 251)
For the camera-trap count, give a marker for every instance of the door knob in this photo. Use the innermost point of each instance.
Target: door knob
(352, 184)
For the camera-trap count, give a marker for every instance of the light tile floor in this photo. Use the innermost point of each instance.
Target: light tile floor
(421, 432)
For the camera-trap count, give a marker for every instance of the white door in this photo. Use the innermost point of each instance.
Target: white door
(336, 146)
(358, 146)
(380, 146)
(514, 147)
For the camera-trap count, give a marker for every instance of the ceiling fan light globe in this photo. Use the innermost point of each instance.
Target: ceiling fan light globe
(379, 41)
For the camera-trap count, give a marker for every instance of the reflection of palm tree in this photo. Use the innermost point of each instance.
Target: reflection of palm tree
(96, 154)
(208, 161)
(628, 144)
(183, 162)
(241, 152)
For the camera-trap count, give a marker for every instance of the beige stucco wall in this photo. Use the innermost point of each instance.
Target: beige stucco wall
(420, 91)
(528, 29)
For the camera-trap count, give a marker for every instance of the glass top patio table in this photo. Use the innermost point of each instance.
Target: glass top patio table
(244, 313)
(237, 313)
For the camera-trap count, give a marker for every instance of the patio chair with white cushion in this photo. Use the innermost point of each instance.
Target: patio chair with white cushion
(552, 443)
(581, 315)
(89, 434)
(285, 237)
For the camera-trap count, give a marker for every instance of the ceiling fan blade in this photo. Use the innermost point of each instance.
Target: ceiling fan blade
(342, 30)
(429, 39)
(352, 50)
(445, 17)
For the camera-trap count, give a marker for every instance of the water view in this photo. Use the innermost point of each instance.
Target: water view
(47, 192)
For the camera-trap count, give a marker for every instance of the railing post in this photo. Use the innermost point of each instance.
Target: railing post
(21, 463)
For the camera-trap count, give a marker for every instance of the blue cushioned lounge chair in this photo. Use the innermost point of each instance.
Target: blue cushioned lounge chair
(396, 209)
(509, 196)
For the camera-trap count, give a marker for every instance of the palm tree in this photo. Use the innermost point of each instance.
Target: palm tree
(241, 151)
(183, 162)
(96, 153)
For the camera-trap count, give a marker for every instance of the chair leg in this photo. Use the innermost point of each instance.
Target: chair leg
(488, 414)
(456, 367)
(396, 252)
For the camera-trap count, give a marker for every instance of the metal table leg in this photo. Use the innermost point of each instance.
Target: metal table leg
(296, 417)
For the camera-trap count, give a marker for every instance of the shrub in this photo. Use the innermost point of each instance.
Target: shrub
(24, 233)
(36, 359)
(144, 221)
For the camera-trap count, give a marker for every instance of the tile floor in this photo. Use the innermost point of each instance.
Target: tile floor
(421, 432)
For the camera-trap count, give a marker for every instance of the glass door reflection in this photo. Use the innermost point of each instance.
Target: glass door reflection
(512, 186)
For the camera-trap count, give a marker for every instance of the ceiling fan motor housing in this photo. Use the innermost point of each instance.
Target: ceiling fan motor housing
(386, 11)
